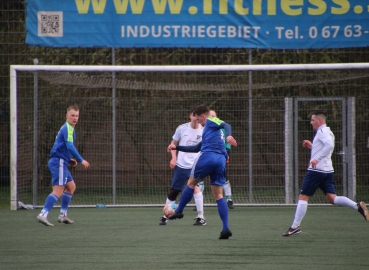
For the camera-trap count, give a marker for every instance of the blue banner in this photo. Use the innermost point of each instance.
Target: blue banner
(275, 24)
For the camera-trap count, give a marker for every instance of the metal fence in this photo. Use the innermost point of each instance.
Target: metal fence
(266, 99)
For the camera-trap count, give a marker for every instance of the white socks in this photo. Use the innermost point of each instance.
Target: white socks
(302, 208)
(169, 201)
(300, 213)
(227, 189)
(199, 201)
(44, 213)
(63, 213)
(344, 201)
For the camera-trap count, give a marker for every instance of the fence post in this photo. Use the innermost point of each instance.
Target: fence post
(351, 152)
(288, 150)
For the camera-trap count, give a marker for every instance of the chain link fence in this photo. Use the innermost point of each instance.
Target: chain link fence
(147, 104)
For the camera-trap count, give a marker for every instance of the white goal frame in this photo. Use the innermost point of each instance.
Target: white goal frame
(67, 68)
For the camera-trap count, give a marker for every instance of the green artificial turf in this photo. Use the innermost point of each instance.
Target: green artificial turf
(130, 238)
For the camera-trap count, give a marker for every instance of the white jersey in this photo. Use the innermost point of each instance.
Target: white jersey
(322, 149)
(186, 136)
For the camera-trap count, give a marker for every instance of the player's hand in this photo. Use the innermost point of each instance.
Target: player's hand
(231, 141)
(85, 164)
(313, 163)
(172, 163)
(171, 147)
(73, 162)
(307, 144)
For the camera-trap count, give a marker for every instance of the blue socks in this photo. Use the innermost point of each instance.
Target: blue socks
(186, 197)
(223, 212)
(65, 201)
(50, 201)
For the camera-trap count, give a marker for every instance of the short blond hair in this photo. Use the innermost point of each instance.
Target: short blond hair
(73, 107)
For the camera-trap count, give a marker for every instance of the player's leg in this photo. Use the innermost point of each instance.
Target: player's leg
(185, 198)
(70, 187)
(330, 193)
(57, 169)
(217, 180)
(227, 187)
(228, 194)
(310, 183)
(217, 192)
(179, 178)
(198, 172)
(199, 201)
(201, 187)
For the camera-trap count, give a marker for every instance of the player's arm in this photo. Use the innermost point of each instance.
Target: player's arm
(228, 132)
(173, 161)
(189, 149)
(73, 150)
(69, 139)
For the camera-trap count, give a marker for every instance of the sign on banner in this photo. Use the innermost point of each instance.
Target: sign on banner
(276, 24)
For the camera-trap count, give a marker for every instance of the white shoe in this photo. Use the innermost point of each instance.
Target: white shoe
(43, 220)
(65, 220)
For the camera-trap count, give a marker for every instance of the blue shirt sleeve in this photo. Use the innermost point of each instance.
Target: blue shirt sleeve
(227, 128)
(191, 148)
(73, 150)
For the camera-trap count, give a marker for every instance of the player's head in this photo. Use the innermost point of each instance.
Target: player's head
(212, 113)
(201, 113)
(192, 116)
(317, 119)
(72, 115)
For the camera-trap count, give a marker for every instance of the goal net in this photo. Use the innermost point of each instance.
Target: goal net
(128, 115)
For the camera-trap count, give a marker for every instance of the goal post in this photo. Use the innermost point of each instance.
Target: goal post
(160, 90)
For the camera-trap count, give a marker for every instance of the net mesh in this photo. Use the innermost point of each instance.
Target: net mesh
(147, 114)
(174, 81)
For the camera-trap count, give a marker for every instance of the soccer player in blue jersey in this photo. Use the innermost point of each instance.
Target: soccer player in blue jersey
(211, 161)
(320, 174)
(227, 186)
(62, 181)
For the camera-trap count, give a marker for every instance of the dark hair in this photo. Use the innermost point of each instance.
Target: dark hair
(201, 110)
(319, 114)
(193, 109)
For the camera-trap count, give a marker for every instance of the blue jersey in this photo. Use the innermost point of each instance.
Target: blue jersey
(64, 144)
(213, 137)
(226, 144)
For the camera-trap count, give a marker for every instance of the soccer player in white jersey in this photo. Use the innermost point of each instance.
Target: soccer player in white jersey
(62, 180)
(186, 134)
(320, 174)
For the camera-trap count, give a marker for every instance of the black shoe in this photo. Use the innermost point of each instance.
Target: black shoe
(292, 231)
(200, 222)
(230, 204)
(363, 210)
(176, 215)
(163, 221)
(225, 234)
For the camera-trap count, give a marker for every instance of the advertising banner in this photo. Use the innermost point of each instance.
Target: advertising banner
(275, 24)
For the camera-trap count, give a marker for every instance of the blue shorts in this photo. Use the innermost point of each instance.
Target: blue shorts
(60, 174)
(212, 164)
(314, 180)
(179, 178)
